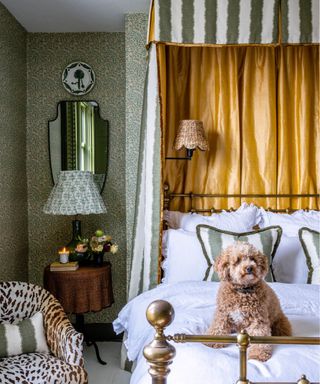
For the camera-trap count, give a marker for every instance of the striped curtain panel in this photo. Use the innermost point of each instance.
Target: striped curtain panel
(216, 21)
(144, 267)
(300, 21)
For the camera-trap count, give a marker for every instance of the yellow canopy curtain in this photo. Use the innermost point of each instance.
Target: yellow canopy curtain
(260, 109)
(223, 62)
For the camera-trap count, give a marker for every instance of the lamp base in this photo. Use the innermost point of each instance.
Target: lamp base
(81, 257)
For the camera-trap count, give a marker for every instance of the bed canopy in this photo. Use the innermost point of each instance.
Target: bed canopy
(249, 69)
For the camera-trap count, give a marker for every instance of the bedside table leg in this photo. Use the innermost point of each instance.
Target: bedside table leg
(89, 343)
(80, 327)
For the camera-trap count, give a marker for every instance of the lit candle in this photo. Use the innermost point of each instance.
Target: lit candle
(64, 255)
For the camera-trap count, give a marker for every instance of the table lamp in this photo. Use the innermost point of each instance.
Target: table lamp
(75, 193)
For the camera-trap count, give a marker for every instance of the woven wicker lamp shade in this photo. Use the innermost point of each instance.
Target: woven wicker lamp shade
(190, 135)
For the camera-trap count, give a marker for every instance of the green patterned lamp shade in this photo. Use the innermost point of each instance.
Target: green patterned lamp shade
(75, 193)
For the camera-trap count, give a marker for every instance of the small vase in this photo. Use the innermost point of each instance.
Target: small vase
(98, 259)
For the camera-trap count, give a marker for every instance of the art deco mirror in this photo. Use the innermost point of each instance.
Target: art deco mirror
(78, 140)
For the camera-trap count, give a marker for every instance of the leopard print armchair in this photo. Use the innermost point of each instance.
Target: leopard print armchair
(64, 365)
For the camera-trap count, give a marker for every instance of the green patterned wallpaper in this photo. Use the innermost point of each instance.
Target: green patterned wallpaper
(13, 182)
(37, 60)
(136, 25)
(47, 56)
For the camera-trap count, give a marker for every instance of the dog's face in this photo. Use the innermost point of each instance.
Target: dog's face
(241, 264)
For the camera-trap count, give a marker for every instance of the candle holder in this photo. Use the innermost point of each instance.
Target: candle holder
(64, 256)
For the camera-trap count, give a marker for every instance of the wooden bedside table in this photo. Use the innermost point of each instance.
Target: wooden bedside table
(88, 289)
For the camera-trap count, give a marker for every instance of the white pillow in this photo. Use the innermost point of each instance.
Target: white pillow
(289, 263)
(183, 256)
(291, 223)
(241, 220)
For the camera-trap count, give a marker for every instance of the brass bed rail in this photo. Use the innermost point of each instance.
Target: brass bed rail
(160, 353)
(168, 196)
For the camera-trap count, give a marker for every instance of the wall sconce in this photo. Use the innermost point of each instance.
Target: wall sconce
(190, 135)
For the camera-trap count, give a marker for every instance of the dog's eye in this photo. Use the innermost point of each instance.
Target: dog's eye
(237, 261)
(251, 258)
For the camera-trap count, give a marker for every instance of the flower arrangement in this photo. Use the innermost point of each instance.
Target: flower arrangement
(99, 243)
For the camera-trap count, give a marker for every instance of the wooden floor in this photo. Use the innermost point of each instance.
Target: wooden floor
(105, 374)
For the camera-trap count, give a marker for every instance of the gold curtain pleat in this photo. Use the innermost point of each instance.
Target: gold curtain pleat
(260, 109)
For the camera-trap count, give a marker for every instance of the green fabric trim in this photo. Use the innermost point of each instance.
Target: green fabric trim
(210, 21)
(275, 31)
(140, 289)
(233, 21)
(165, 20)
(28, 336)
(140, 166)
(256, 21)
(156, 222)
(128, 365)
(216, 245)
(187, 21)
(3, 341)
(305, 21)
(306, 251)
(285, 20)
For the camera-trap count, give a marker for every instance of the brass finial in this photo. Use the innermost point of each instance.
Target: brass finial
(160, 314)
(159, 353)
(303, 380)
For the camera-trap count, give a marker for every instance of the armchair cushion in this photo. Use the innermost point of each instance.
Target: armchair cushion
(25, 337)
(64, 364)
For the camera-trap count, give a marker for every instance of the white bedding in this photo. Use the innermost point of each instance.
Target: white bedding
(194, 305)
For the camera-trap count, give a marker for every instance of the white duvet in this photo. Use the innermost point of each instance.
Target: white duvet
(194, 305)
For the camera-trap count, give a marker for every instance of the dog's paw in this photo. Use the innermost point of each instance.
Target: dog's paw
(259, 354)
(215, 345)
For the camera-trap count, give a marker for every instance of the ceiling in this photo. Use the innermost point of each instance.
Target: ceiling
(74, 15)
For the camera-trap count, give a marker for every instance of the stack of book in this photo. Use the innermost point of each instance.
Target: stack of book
(56, 266)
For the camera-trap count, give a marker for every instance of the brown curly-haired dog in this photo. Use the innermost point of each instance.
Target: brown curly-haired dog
(245, 301)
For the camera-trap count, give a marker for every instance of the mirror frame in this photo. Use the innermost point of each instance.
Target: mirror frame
(108, 137)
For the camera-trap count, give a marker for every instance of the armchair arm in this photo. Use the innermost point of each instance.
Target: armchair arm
(63, 340)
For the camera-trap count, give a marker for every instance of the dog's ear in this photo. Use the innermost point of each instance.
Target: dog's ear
(221, 266)
(262, 262)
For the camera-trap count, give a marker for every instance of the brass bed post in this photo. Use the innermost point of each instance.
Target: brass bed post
(159, 353)
(243, 341)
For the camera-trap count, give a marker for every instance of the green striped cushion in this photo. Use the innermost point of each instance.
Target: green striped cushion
(25, 337)
(310, 241)
(214, 240)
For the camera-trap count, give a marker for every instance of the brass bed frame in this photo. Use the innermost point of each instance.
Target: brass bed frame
(168, 196)
(160, 353)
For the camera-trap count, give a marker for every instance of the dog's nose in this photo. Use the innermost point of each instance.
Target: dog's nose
(249, 270)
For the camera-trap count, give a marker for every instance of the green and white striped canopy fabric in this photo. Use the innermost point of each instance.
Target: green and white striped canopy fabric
(214, 240)
(144, 267)
(235, 21)
(300, 21)
(310, 241)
